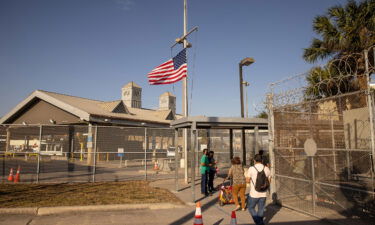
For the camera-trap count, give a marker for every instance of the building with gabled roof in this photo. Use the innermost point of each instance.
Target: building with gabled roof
(44, 107)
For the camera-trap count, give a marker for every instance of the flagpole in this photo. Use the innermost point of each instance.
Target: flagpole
(185, 100)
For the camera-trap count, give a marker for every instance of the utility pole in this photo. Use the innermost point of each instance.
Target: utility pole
(185, 101)
(185, 112)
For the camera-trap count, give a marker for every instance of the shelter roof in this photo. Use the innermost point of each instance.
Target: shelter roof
(203, 122)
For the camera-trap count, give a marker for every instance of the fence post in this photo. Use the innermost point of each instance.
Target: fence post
(271, 138)
(7, 146)
(7, 149)
(89, 145)
(146, 145)
(95, 148)
(333, 146)
(40, 148)
(313, 184)
(370, 106)
(176, 158)
(348, 165)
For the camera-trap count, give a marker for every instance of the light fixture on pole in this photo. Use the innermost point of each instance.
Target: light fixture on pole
(244, 62)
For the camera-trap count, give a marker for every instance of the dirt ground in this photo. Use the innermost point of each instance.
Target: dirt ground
(43, 195)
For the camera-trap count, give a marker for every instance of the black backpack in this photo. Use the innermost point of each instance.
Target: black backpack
(262, 183)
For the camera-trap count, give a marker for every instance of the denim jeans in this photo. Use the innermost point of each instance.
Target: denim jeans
(257, 216)
(211, 177)
(204, 183)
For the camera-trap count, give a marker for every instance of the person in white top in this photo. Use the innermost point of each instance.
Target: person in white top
(256, 197)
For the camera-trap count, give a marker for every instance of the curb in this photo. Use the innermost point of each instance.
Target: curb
(31, 210)
(41, 211)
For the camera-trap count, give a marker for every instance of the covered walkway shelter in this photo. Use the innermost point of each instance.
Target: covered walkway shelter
(195, 123)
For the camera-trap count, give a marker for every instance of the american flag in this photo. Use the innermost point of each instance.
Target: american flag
(169, 72)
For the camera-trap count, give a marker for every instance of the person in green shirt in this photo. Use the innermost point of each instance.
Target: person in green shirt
(204, 169)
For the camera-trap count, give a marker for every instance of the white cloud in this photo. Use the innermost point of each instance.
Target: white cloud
(125, 4)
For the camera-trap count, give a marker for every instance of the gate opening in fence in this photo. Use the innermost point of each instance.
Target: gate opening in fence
(221, 135)
(321, 127)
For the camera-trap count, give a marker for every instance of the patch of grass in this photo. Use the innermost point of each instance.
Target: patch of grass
(42, 195)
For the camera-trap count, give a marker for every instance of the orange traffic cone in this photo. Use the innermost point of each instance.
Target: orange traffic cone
(156, 166)
(233, 220)
(198, 220)
(17, 177)
(10, 177)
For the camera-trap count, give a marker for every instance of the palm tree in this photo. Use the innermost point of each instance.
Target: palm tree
(346, 31)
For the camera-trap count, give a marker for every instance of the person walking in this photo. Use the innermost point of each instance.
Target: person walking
(204, 169)
(259, 178)
(265, 159)
(236, 172)
(212, 171)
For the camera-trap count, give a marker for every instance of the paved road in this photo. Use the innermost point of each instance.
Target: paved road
(211, 215)
(61, 171)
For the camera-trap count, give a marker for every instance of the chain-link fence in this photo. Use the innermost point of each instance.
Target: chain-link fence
(59, 154)
(322, 132)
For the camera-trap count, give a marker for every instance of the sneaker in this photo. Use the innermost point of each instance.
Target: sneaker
(243, 209)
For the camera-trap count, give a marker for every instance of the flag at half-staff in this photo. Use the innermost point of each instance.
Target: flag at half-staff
(169, 72)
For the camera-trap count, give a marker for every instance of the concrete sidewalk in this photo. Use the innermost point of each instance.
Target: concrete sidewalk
(157, 213)
(213, 213)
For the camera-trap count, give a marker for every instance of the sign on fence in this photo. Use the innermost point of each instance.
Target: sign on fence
(120, 152)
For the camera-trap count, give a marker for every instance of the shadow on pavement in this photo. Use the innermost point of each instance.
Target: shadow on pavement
(218, 222)
(271, 211)
(190, 215)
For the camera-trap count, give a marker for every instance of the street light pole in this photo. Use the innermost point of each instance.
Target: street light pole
(241, 91)
(245, 62)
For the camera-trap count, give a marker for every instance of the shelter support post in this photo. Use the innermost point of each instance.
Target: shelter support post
(176, 158)
(185, 144)
(256, 138)
(194, 149)
(230, 144)
(243, 139)
(208, 138)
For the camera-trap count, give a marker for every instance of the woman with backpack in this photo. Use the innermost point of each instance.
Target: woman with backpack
(236, 172)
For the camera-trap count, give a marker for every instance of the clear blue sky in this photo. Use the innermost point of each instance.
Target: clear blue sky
(91, 48)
